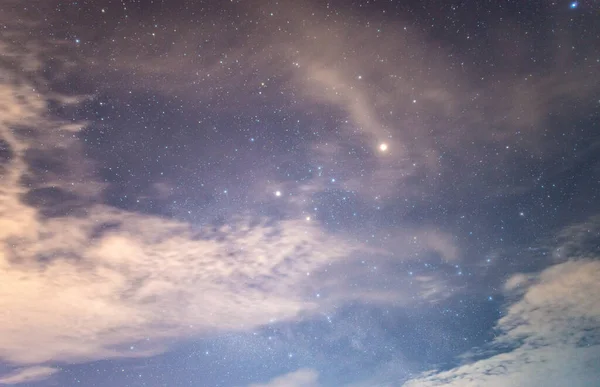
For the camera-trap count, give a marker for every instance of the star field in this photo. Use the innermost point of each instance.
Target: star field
(299, 193)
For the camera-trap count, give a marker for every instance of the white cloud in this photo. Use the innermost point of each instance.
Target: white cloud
(113, 283)
(147, 278)
(27, 375)
(110, 283)
(372, 79)
(299, 378)
(552, 332)
(107, 283)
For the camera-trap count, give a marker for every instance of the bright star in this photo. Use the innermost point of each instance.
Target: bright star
(383, 147)
(278, 193)
(574, 5)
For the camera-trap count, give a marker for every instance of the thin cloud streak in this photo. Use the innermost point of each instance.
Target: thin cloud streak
(27, 375)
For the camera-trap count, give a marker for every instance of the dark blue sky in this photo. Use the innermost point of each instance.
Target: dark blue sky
(299, 193)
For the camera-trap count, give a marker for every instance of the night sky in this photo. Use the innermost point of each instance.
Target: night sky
(299, 193)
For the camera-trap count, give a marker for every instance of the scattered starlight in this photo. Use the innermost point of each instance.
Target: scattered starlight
(242, 167)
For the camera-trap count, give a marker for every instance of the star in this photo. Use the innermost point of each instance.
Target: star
(338, 105)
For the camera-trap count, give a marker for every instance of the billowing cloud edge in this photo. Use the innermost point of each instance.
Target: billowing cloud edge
(549, 335)
(304, 377)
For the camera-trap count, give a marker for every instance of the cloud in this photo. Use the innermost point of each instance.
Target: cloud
(108, 283)
(84, 281)
(388, 82)
(83, 288)
(299, 378)
(89, 281)
(28, 375)
(577, 240)
(549, 336)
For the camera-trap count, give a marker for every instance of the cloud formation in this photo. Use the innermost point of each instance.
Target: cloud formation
(93, 282)
(384, 82)
(83, 281)
(86, 281)
(27, 375)
(94, 285)
(549, 336)
(299, 378)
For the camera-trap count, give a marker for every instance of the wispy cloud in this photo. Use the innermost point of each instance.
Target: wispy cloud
(549, 335)
(381, 82)
(27, 375)
(299, 378)
(98, 282)
(86, 281)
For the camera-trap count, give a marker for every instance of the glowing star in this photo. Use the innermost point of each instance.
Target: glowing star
(574, 5)
(308, 218)
(383, 147)
(278, 193)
